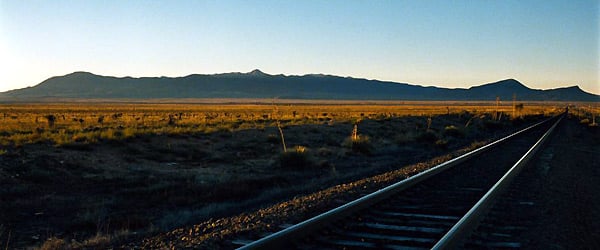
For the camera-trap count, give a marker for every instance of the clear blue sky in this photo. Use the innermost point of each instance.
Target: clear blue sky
(544, 44)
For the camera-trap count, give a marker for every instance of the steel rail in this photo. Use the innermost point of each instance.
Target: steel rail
(282, 238)
(453, 238)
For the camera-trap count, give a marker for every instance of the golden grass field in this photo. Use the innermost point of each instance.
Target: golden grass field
(89, 122)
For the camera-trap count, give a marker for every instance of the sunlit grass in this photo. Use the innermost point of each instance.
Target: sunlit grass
(89, 123)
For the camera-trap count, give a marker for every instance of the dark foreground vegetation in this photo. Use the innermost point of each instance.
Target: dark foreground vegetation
(99, 182)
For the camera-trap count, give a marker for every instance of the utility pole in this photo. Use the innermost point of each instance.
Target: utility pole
(514, 104)
(497, 107)
(592, 113)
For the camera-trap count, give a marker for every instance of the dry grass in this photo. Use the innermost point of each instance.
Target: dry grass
(298, 158)
(588, 114)
(179, 164)
(62, 124)
(54, 243)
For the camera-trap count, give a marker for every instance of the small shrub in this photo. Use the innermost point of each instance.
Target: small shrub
(427, 137)
(324, 152)
(129, 133)
(79, 138)
(51, 119)
(298, 158)
(585, 121)
(171, 120)
(518, 108)
(118, 133)
(441, 143)
(224, 128)
(359, 144)
(404, 138)
(108, 134)
(453, 131)
(98, 241)
(273, 139)
(54, 243)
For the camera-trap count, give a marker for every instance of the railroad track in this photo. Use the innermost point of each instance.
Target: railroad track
(438, 208)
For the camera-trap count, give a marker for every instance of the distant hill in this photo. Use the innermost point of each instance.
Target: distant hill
(257, 84)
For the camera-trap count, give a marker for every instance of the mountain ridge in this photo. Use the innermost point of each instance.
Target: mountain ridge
(258, 84)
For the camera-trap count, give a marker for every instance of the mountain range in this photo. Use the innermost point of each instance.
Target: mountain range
(256, 84)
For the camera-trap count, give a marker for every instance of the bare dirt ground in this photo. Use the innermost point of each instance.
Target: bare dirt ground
(111, 192)
(568, 195)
